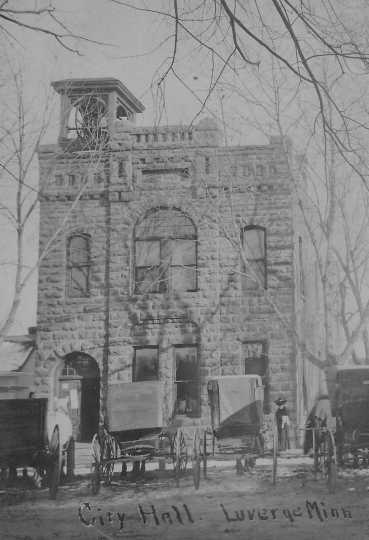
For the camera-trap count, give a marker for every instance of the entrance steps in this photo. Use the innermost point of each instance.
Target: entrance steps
(82, 455)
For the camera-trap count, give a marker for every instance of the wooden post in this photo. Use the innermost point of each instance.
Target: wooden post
(70, 459)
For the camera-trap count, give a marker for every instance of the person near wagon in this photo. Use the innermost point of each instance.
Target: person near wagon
(319, 417)
(283, 422)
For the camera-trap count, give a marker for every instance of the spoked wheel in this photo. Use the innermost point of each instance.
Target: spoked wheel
(179, 450)
(205, 455)
(55, 462)
(325, 458)
(275, 454)
(109, 451)
(95, 464)
(196, 459)
(330, 461)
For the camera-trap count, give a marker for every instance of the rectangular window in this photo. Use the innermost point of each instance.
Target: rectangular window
(78, 265)
(187, 380)
(148, 271)
(179, 257)
(165, 264)
(71, 179)
(121, 168)
(259, 170)
(254, 245)
(256, 363)
(145, 364)
(59, 180)
(207, 165)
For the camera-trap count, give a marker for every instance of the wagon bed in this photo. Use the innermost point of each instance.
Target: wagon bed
(22, 428)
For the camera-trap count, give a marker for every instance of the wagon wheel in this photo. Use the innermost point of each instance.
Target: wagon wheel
(109, 451)
(179, 454)
(330, 461)
(196, 459)
(325, 459)
(275, 453)
(95, 464)
(55, 462)
(205, 456)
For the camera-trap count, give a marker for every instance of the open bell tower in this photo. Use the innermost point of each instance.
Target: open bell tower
(90, 109)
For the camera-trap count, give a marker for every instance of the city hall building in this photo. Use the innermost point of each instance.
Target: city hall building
(165, 256)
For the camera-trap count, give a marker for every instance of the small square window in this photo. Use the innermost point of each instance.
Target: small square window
(247, 170)
(147, 253)
(145, 364)
(183, 278)
(259, 170)
(150, 280)
(59, 180)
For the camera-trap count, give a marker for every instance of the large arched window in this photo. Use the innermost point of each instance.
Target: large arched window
(78, 265)
(165, 252)
(255, 249)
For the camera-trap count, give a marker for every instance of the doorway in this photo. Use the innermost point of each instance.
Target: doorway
(80, 387)
(256, 363)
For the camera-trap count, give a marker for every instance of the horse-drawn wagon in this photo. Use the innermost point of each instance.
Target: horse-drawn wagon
(137, 432)
(351, 408)
(29, 440)
(236, 415)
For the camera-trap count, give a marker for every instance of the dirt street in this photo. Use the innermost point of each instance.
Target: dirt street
(226, 506)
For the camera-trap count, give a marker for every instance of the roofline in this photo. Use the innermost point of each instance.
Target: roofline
(66, 86)
(22, 338)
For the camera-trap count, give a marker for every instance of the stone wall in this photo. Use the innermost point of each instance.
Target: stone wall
(221, 190)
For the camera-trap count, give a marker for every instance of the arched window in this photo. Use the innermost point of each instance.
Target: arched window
(78, 265)
(165, 252)
(255, 249)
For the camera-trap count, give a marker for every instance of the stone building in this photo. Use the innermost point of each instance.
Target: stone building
(168, 257)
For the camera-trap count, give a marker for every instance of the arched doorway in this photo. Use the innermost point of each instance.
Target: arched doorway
(80, 387)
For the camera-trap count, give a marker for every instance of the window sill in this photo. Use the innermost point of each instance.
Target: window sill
(165, 293)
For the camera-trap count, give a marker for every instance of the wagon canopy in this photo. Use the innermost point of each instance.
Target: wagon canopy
(136, 405)
(352, 398)
(236, 402)
(22, 429)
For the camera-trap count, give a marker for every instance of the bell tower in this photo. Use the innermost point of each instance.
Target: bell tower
(91, 109)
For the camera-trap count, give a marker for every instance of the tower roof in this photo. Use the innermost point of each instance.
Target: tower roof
(101, 85)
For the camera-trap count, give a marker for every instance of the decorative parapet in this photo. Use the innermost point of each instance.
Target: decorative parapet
(205, 133)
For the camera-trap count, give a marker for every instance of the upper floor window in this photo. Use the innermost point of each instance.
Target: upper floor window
(78, 265)
(145, 364)
(254, 246)
(165, 252)
(187, 380)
